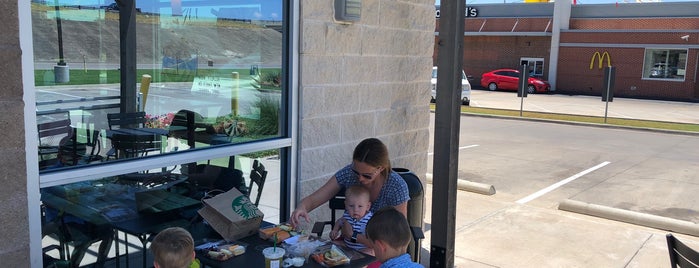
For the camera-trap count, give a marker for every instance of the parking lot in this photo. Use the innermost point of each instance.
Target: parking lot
(536, 166)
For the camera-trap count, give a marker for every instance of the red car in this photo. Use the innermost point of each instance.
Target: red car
(508, 79)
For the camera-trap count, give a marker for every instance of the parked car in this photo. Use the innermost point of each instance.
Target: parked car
(508, 79)
(465, 87)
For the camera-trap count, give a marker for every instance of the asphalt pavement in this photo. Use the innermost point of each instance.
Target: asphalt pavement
(495, 233)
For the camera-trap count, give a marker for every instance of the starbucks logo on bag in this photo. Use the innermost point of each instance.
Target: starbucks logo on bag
(243, 207)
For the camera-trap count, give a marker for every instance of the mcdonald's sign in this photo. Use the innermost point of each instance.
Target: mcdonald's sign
(600, 57)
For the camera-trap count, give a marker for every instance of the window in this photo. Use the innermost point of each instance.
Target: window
(535, 65)
(202, 73)
(203, 84)
(668, 64)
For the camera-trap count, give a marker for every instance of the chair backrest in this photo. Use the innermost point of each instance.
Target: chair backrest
(120, 120)
(137, 145)
(258, 175)
(53, 137)
(680, 254)
(60, 129)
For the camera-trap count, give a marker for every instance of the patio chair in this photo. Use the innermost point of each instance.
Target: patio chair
(131, 145)
(258, 175)
(53, 136)
(680, 254)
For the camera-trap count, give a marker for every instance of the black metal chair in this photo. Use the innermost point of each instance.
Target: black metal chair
(53, 137)
(131, 144)
(258, 175)
(680, 254)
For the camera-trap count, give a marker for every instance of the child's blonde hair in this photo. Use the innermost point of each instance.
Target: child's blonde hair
(357, 191)
(173, 248)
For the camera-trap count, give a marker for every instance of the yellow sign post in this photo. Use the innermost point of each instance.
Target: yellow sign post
(145, 85)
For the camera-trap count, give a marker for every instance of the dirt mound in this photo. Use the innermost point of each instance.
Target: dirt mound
(98, 41)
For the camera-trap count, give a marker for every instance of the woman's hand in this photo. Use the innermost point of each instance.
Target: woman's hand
(297, 215)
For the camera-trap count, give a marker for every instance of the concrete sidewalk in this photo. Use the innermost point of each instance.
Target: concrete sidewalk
(667, 111)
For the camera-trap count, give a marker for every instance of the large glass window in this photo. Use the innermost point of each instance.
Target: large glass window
(145, 107)
(665, 64)
(199, 74)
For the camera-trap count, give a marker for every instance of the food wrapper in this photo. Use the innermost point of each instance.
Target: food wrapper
(283, 231)
(223, 252)
(330, 256)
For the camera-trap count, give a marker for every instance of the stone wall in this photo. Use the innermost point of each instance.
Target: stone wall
(360, 80)
(14, 245)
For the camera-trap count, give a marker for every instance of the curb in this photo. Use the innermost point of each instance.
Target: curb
(464, 185)
(666, 131)
(638, 218)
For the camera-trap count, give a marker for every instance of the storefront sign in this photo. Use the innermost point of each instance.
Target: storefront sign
(470, 12)
(600, 57)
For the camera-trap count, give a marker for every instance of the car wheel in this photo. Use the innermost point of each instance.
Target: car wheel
(432, 100)
(492, 86)
(531, 89)
(467, 103)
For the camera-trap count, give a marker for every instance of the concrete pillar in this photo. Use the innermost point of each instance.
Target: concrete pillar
(561, 21)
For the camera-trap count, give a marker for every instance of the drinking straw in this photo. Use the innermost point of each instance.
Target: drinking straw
(275, 243)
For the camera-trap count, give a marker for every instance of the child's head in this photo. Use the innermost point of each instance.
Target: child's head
(357, 201)
(389, 233)
(173, 248)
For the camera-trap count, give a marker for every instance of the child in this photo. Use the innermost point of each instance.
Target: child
(357, 214)
(173, 248)
(389, 234)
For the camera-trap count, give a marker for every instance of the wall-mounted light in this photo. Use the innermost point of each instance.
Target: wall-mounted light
(685, 38)
(348, 11)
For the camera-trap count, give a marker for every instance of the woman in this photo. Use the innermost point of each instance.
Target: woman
(371, 168)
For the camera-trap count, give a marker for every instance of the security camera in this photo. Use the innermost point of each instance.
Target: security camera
(685, 37)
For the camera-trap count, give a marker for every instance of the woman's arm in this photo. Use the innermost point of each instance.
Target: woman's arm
(402, 208)
(311, 202)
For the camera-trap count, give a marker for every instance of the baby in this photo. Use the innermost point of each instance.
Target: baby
(357, 214)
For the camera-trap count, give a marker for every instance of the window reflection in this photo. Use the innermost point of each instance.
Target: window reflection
(208, 74)
(665, 64)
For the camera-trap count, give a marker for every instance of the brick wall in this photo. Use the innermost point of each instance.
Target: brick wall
(14, 245)
(367, 79)
(630, 37)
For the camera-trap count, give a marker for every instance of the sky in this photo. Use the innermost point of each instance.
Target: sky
(436, 2)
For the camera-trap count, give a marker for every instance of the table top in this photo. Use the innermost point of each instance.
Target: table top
(102, 203)
(253, 256)
(141, 131)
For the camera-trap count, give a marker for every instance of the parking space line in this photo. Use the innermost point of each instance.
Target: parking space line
(560, 183)
(460, 148)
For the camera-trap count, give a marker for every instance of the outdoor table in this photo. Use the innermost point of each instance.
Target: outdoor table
(253, 255)
(132, 209)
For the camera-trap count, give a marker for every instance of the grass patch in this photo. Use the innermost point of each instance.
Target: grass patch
(583, 119)
(90, 77)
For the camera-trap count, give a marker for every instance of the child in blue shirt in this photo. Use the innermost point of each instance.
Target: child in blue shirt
(389, 233)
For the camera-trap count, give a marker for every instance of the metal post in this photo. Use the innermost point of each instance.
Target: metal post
(446, 133)
(127, 53)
